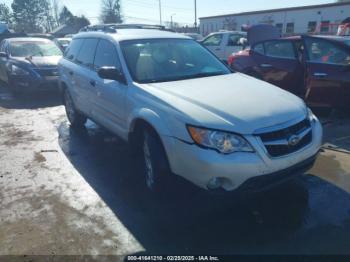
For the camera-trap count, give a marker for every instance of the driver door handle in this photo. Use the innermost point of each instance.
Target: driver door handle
(320, 74)
(266, 65)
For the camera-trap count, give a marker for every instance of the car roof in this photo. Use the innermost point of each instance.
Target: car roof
(228, 32)
(133, 34)
(334, 37)
(28, 39)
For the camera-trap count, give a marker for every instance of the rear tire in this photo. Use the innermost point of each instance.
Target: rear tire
(76, 119)
(155, 163)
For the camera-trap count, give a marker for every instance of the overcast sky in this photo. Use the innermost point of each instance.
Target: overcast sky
(147, 11)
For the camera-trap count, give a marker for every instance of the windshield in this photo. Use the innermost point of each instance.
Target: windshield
(34, 48)
(161, 60)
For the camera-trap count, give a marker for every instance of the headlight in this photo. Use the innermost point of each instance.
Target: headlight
(310, 115)
(15, 70)
(224, 142)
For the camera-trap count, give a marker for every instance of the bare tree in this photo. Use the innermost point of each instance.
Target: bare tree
(56, 11)
(111, 11)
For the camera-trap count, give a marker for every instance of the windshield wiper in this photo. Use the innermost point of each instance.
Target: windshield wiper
(30, 57)
(206, 74)
(183, 77)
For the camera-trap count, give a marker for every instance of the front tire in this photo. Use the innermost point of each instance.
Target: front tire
(156, 168)
(76, 119)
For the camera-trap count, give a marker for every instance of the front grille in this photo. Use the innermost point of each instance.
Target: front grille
(277, 142)
(47, 71)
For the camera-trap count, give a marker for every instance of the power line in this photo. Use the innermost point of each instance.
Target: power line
(150, 5)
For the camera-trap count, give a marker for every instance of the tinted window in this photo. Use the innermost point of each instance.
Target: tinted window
(279, 49)
(323, 51)
(290, 28)
(312, 26)
(325, 26)
(280, 27)
(73, 49)
(214, 40)
(87, 52)
(106, 55)
(259, 48)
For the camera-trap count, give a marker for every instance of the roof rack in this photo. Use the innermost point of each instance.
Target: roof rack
(112, 28)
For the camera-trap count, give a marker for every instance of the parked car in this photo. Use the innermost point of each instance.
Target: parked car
(195, 36)
(316, 68)
(185, 112)
(223, 44)
(29, 64)
(62, 43)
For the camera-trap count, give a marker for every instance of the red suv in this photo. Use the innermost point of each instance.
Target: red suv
(316, 68)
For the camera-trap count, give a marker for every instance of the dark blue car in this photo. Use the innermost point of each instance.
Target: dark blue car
(29, 64)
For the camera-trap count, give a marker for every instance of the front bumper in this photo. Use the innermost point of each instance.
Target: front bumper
(24, 84)
(200, 165)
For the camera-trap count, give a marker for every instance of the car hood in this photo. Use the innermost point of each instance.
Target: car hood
(40, 62)
(233, 102)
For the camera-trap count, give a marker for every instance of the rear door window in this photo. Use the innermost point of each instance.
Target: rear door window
(280, 49)
(73, 49)
(87, 52)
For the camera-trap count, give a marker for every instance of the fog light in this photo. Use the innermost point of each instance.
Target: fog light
(215, 183)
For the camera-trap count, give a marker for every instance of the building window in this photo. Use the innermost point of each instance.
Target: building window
(325, 26)
(311, 28)
(290, 28)
(280, 27)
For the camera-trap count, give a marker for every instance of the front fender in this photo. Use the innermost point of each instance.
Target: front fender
(150, 117)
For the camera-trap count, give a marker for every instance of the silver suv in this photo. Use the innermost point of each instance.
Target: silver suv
(184, 111)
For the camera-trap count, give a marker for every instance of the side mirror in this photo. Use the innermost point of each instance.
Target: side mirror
(3, 55)
(111, 73)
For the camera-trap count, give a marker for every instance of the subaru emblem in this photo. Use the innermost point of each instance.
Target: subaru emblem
(293, 140)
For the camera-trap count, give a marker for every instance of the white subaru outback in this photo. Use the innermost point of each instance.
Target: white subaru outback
(185, 112)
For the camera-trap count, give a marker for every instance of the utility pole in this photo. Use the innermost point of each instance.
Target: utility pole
(160, 12)
(195, 13)
(171, 19)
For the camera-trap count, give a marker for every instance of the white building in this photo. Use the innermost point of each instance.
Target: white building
(295, 20)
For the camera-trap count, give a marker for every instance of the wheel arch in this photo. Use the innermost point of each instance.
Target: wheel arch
(145, 118)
